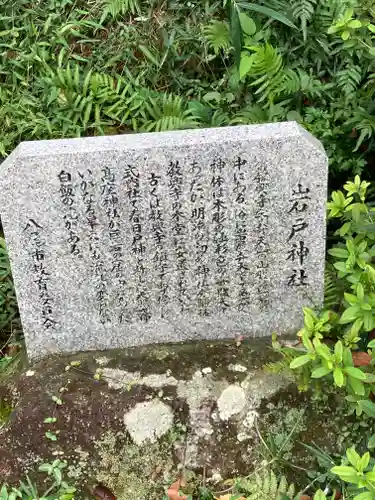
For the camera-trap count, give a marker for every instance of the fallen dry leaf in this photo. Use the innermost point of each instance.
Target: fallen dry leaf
(361, 358)
(173, 490)
(101, 492)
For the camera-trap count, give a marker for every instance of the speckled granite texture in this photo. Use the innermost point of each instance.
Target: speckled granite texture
(137, 239)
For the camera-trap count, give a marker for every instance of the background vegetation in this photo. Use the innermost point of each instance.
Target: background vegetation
(84, 67)
(71, 68)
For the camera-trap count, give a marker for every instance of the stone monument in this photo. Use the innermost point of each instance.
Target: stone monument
(165, 237)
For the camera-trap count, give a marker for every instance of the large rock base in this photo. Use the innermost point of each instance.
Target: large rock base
(133, 419)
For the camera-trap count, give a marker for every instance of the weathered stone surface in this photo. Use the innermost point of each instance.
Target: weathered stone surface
(231, 402)
(148, 421)
(130, 240)
(101, 437)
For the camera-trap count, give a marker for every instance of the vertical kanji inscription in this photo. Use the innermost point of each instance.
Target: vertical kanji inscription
(298, 252)
(199, 229)
(138, 248)
(241, 234)
(159, 256)
(37, 250)
(179, 232)
(219, 218)
(116, 266)
(68, 199)
(88, 189)
(262, 249)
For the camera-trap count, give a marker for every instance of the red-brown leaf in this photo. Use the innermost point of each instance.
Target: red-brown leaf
(101, 492)
(361, 358)
(173, 490)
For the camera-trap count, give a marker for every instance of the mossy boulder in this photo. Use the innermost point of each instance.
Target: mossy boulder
(132, 419)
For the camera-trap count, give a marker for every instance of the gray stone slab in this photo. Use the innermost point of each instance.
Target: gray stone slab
(138, 239)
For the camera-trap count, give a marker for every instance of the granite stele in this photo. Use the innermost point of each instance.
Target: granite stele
(165, 237)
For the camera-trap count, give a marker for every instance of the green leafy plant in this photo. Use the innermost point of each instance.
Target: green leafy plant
(338, 363)
(358, 473)
(169, 113)
(346, 25)
(111, 68)
(303, 11)
(328, 339)
(58, 489)
(8, 301)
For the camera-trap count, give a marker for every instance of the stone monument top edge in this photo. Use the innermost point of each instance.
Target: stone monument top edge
(167, 139)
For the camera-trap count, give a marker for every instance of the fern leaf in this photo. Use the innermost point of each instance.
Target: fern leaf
(303, 11)
(333, 292)
(255, 113)
(327, 12)
(267, 66)
(278, 366)
(219, 118)
(116, 8)
(283, 486)
(291, 82)
(349, 79)
(272, 485)
(250, 114)
(89, 98)
(217, 36)
(364, 122)
(266, 486)
(169, 113)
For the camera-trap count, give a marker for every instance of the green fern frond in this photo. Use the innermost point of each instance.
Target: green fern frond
(266, 60)
(371, 83)
(267, 66)
(303, 11)
(310, 86)
(327, 12)
(219, 118)
(291, 82)
(265, 486)
(116, 8)
(364, 122)
(217, 36)
(88, 97)
(333, 291)
(349, 79)
(252, 113)
(170, 113)
(282, 365)
(287, 352)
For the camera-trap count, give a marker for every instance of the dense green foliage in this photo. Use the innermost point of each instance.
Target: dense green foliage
(72, 67)
(56, 489)
(9, 320)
